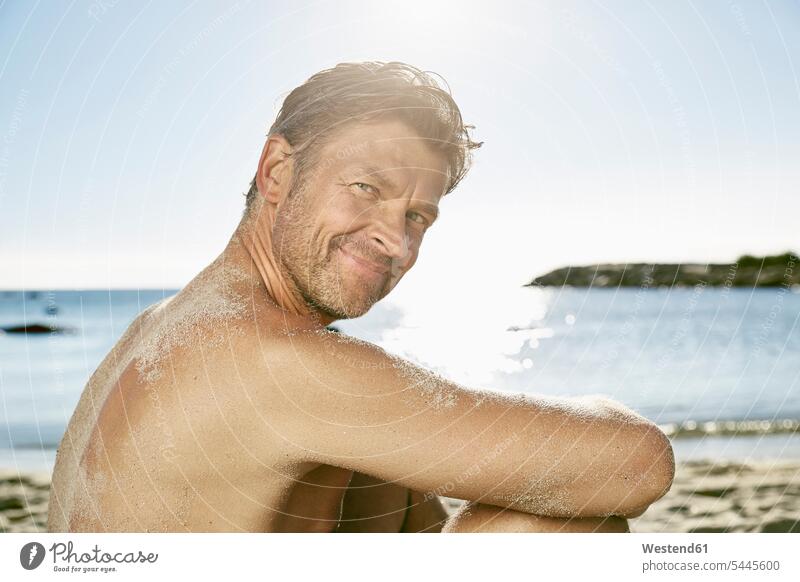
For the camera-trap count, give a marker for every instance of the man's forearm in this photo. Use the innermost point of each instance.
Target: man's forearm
(618, 464)
(480, 518)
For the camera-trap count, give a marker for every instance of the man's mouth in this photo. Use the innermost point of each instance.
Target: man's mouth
(365, 266)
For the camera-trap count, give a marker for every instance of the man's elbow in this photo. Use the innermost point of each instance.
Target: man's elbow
(651, 472)
(651, 462)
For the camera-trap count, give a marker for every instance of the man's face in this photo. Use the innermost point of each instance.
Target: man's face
(348, 233)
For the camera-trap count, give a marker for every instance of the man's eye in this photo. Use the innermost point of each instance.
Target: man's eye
(365, 187)
(418, 218)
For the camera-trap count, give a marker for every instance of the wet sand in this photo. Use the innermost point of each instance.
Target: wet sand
(705, 497)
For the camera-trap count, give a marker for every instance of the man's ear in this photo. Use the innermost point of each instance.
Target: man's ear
(274, 174)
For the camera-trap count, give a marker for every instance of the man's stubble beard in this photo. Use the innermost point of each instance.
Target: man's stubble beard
(319, 282)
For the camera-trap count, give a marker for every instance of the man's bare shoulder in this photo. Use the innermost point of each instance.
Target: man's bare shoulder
(320, 359)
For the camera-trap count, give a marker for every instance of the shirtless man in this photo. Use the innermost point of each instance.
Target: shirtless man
(232, 407)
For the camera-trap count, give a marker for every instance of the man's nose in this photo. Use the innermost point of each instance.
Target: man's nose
(389, 230)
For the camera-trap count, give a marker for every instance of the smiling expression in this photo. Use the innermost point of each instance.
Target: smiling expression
(353, 228)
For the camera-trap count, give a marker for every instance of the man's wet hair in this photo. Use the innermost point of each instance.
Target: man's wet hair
(372, 91)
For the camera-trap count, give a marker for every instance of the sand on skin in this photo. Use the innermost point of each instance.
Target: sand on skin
(705, 497)
(723, 497)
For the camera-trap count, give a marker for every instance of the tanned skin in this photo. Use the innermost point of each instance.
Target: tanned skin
(231, 407)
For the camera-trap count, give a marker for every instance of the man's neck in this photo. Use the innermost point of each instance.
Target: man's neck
(251, 246)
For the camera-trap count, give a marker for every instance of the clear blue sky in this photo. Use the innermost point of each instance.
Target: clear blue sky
(614, 131)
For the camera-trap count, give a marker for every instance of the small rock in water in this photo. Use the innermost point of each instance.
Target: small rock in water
(34, 328)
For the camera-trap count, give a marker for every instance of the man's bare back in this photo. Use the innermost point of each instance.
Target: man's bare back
(168, 435)
(230, 407)
(165, 439)
(173, 433)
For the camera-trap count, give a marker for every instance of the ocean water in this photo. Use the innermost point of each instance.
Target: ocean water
(701, 362)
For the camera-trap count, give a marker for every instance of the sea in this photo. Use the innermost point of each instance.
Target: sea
(717, 368)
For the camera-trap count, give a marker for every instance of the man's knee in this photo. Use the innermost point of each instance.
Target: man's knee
(477, 517)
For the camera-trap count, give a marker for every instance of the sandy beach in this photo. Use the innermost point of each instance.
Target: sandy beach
(728, 497)
(23, 501)
(705, 497)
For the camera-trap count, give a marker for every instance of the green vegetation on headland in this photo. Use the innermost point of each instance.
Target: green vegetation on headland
(748, 271)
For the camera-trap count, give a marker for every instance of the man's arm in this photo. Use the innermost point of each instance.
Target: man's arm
(336, 400)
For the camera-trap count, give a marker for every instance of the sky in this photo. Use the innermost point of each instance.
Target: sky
(614, 131)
